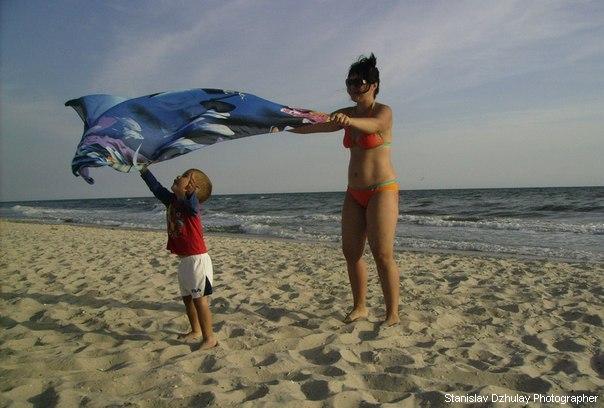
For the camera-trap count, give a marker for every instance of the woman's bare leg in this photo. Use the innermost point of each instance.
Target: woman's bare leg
(353, 244)
(382, 216)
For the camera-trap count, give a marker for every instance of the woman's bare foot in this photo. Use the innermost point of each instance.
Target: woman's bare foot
(209, 343)
(189, 336)
(391, 321)
(356, 314)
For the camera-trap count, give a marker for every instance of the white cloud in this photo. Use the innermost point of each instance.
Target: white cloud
(292, 48)
(464, 44)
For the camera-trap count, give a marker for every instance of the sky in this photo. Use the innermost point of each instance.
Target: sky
(485, 94)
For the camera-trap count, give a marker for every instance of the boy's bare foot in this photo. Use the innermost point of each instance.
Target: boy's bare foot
(356, 314)
(189, 336)
(209, 343)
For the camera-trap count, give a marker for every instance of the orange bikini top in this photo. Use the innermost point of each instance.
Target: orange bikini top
(365, 141)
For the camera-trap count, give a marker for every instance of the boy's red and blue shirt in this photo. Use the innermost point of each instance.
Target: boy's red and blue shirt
(185, 230)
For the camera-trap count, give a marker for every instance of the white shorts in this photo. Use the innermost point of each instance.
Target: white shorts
(195, 275)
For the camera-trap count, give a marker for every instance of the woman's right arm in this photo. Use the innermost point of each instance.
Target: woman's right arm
(316, 128)
(319, 127)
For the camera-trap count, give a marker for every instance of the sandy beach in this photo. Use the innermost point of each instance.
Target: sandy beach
(90, 317)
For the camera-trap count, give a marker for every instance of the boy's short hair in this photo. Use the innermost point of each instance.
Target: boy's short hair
(203, 183)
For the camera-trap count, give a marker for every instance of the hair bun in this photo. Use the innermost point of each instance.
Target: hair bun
(372, 60)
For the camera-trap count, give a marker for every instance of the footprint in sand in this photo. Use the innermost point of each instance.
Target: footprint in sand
(389, 382)
(394, 359)
(427, 344)
(236, 332)
(316, 390)
(298, 376)
(594, 320)
(571, 315)
(369, 356)
(286, 288)
(36, 317)
(272, 314)
(597, 364)
(220, 305)
(271, 359)
(208, 365)
(479, 365)
(476, 310)
(319, 357)
(204, 399)
(48, 398)
(535, 342)
(516, 360)
(568, 345)
(310, 324)
(332, 371)
(567, 366)
(260, 392)
(510, 308)
(531, 385)
(368, 335)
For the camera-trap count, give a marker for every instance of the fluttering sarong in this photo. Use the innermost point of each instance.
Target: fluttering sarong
(130, 133)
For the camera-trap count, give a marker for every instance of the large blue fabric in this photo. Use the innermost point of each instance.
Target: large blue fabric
(129, 133)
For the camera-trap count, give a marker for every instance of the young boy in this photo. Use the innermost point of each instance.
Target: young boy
(185, 239)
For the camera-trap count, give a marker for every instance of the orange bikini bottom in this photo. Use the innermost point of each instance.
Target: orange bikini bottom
(363, 195)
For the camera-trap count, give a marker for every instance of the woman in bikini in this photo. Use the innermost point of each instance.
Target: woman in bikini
(370, 209)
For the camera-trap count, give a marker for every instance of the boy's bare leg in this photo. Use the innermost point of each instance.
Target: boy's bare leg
(202, 307)
(195, 332)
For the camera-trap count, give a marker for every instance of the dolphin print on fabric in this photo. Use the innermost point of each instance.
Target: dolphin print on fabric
(130, 133)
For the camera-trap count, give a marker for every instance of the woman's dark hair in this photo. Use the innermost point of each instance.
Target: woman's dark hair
(365, 68)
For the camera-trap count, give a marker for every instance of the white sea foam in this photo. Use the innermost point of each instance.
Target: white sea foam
(505, 224)
(498, 221)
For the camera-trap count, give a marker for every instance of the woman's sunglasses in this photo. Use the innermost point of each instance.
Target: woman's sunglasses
(356, 82)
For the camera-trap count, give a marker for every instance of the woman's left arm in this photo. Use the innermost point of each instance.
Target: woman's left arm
(380, 122)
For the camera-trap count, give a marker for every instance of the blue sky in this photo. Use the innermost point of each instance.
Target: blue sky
(484, 93)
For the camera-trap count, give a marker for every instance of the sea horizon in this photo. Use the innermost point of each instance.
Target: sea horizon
(310, 192)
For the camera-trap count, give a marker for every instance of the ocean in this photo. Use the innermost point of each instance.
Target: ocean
(551, 223)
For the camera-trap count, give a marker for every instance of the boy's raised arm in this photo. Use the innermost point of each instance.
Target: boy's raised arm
(159, 191)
